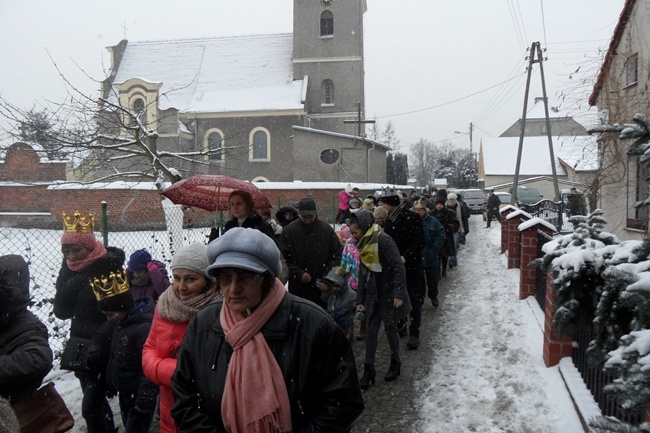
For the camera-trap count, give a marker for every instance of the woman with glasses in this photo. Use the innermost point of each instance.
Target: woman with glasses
(262, 359)
(85, 258)
(191, 289)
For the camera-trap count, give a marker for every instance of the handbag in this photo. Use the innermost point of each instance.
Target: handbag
(75, 355)
(43, 411)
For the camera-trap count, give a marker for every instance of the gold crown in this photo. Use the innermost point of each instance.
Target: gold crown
(80, 224)
(107, 287)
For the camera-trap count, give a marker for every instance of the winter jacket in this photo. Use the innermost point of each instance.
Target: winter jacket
(406, 230)
(159, 281)
(493, 202)
(75, 299)
(124, 371)
(312, 352)
(314, 249)
(458, 211)
(252, 222)
(280, 215)
(159, 362)
(342, 301)
(380, 289)
(25, 356)
(448, 219)
(434, 239)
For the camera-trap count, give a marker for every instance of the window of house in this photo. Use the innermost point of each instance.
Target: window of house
(632, 69)
(260, 145)
(327, 23)
(215, 145)
(637, 191)
(328, 92)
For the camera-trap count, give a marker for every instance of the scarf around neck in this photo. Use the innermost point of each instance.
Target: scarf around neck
(255, 397)
(171, 307)
(396, 213)
(369, 248)
(95, 254)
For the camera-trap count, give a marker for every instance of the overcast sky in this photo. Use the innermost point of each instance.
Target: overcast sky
(432, 66)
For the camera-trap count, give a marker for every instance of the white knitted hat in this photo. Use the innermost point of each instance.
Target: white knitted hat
(193, 257)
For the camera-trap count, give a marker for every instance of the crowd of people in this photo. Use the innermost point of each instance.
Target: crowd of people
(251, 332)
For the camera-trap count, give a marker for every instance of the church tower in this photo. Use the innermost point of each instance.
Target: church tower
(328, 50)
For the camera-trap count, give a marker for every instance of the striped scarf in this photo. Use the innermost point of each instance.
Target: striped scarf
(369, 248)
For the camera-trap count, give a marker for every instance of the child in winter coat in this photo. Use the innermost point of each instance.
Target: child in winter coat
(147, 277)
(340, 299)
(137, 395)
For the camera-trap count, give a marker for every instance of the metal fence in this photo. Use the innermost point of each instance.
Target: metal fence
(595, 378)
(42, 251)
(548, 210)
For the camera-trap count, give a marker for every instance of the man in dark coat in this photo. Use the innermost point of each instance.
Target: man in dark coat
(311, 249)
(450, 222)
(25, 355)
(493, 204)
(434, 239)
(405, 227)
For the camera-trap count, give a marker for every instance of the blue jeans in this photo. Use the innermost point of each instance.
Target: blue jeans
(94, 406)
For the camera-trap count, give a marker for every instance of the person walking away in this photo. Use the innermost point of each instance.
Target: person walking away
(146, 276)
(448, 219)
(434, 239)
(493, 203)
(452, 203)
(191, 290)
(25, 355)
(262, 359)
(405, 227)
(137, 395)
(311, 249)
(382, 290)
(340, 299)
(86, 258)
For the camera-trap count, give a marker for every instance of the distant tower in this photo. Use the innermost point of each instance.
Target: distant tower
(328, 49)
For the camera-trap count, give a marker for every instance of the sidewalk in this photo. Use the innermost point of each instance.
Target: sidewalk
(479, 367)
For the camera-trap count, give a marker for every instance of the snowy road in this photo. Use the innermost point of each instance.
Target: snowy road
(479, 367)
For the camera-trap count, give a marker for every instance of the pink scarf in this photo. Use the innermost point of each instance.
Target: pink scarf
(97, 253)
(255, 397)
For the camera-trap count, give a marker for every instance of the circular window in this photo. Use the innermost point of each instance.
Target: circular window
(329, 156)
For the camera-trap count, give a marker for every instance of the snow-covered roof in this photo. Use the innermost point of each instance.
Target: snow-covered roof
(38, 149)
(228, 74)
(500, 155)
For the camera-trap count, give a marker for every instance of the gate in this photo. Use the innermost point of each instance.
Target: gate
(548, 210)
(540, 275)
(595, 378)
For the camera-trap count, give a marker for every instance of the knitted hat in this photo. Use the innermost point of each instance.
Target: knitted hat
(391, 198)
(344, 234)
(139, 259)
(440, 200)
(244, 248)
(452, 196)
(78, 230)
(14, 287)
(86, 240)
(194, 258)
(336, 276)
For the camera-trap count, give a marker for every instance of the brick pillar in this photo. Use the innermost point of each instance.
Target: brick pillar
(514, 237)
(555, 347)
(505, 227)
(528, 253)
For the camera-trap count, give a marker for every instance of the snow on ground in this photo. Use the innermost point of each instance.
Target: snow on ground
(488, 374)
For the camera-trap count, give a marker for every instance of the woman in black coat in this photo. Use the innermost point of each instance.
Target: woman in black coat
(242, 214)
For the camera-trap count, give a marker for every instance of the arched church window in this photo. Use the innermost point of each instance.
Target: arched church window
(260, 145)
(215, 146)
(139, 109)
(328, 92)
(327, 23)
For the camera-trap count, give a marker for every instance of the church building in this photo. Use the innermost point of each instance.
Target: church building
(271, 107)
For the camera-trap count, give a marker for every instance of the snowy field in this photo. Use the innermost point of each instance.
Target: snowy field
(487, 372)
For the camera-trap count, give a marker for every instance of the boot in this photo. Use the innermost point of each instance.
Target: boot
(368, 376)
(362, 331)
(393, 371)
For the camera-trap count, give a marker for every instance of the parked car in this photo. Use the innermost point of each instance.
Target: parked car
(528, 195)
(474, 199)
(505, 201)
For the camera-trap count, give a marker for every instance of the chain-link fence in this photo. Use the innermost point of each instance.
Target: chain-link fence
(42, 251)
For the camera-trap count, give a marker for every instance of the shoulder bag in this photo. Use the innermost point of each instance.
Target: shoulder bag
(75, 355)
(43, 411)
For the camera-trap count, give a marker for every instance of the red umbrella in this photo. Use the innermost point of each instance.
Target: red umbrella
(210, 192)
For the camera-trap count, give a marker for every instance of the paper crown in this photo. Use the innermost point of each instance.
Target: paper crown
(79, 223)
(107, 287)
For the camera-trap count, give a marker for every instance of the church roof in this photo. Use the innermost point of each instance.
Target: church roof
(500, 155)
(228, 74)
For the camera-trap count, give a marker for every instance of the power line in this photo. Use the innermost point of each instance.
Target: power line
(449, 102)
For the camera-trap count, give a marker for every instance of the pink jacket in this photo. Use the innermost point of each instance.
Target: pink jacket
(343, 200)
(159, 363)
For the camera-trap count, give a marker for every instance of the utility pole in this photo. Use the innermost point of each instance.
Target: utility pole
(535, 50)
